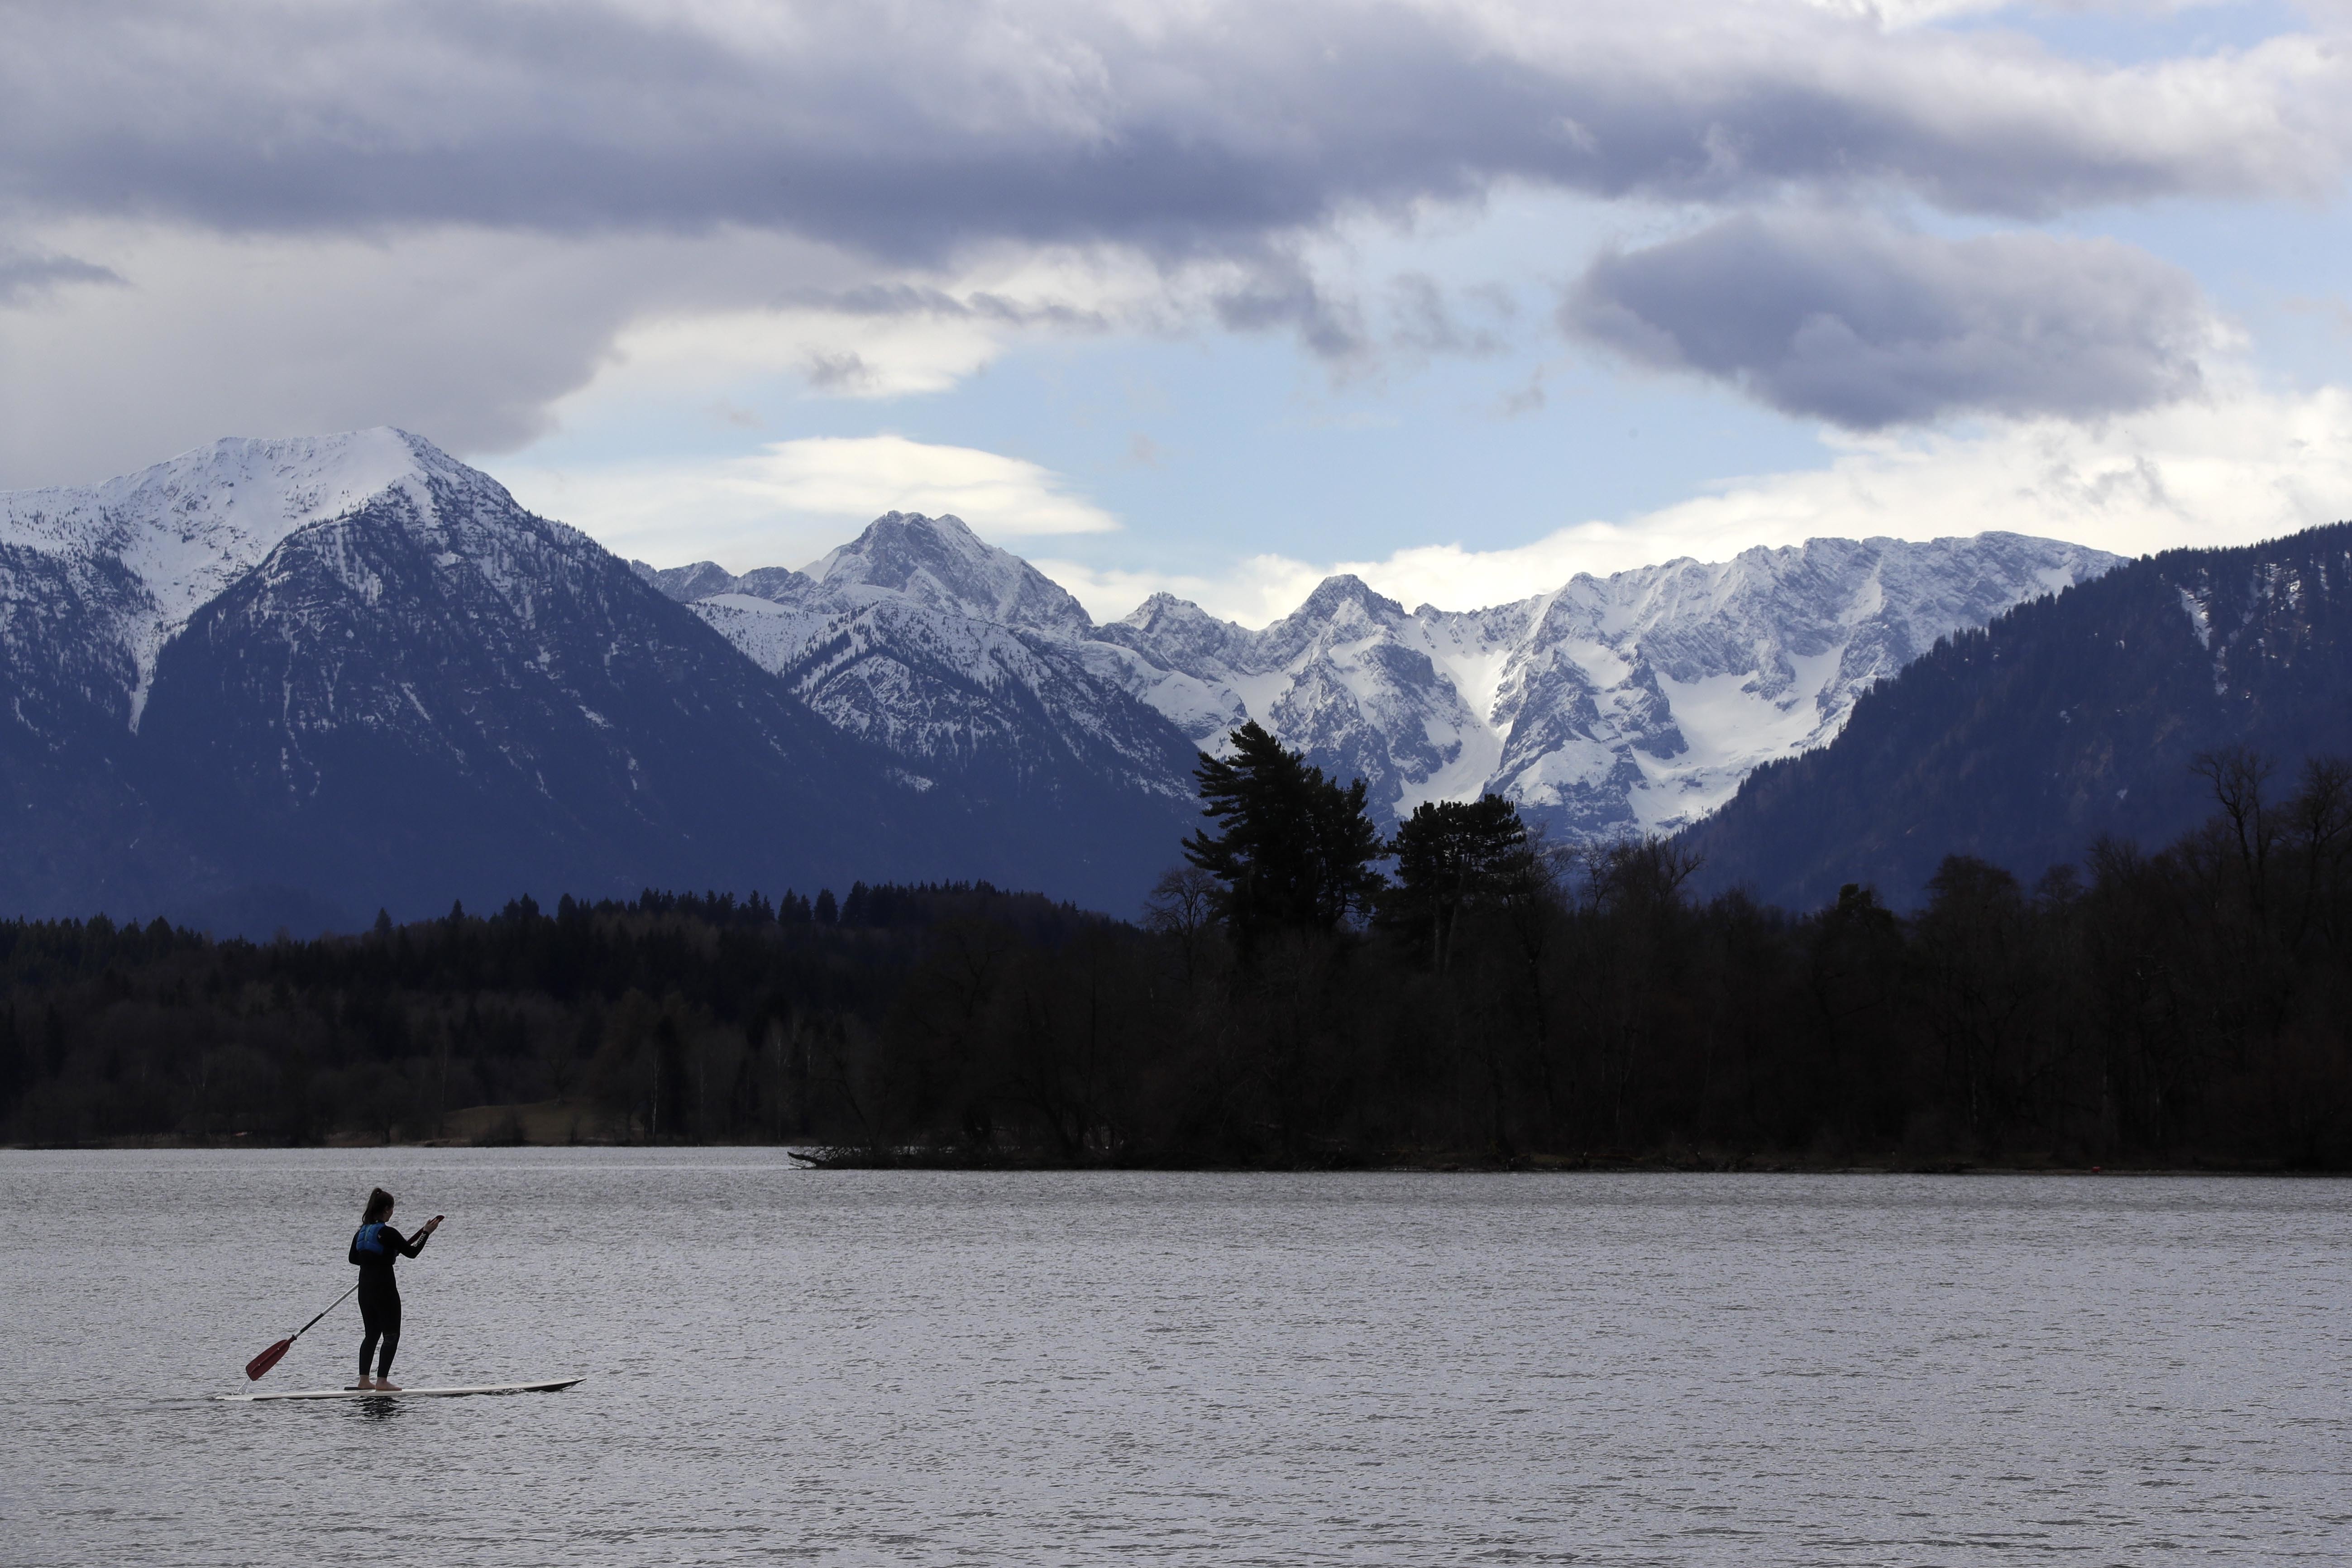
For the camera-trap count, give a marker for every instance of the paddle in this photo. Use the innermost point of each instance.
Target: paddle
(277, 1353)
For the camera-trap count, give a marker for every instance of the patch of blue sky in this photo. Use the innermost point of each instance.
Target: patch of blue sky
(1228, 447)
(2274, 271)
(1215, 445)
(1209, 444)
(2132, 35)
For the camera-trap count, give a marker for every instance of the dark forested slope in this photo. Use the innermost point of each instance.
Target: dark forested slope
(2066, 720)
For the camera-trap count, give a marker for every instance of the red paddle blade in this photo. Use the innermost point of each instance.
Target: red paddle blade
(266, 1359)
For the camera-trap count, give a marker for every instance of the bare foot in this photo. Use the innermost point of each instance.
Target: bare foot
(385, 1385)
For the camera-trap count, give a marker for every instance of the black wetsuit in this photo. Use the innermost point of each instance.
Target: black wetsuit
(375, 1249)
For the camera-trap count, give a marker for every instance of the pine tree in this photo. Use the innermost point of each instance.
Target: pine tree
(1454, 855)
(1294, 850)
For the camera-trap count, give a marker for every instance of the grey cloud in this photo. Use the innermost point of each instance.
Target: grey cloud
(908, 130)
(1868, 326)
(844, 372)
(1281, 295)
(25, 274)
(1425, 324)
(1525, 399)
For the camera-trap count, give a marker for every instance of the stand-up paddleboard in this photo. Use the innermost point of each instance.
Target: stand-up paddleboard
(549, 1386)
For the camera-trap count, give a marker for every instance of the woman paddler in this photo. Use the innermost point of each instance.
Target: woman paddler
(375, 1246)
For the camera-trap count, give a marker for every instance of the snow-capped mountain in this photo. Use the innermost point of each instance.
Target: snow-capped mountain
(93, 582)
(942, 564)
(979, 673)
(145, 550)
(355, 671)
(957, 655)
(1631, 703)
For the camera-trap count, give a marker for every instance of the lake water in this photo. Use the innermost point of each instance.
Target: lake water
(844, 1367)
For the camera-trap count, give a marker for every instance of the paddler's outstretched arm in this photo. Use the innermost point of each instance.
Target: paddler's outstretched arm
(415, 1244)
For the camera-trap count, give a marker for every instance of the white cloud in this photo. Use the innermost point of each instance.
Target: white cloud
(840, 355)
(2226, 470)
(791, 503)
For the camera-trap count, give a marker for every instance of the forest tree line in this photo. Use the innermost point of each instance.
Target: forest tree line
(1300, 992)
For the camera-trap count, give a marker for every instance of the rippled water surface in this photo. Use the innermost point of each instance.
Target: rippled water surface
(926, 1368)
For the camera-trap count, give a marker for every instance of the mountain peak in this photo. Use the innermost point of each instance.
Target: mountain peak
(1338, 600)
(1177, 633)
(1165, 609)
(255, 488)
(940, 561)
(1347, 588)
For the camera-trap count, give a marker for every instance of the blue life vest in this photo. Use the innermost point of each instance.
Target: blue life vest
(369, 1242)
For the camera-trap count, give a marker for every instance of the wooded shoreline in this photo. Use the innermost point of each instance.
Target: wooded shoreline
(1499, 1007)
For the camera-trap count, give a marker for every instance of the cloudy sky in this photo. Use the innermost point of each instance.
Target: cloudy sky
(1463, 295)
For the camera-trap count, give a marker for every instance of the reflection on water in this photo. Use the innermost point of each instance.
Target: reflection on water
(374, 1410)
(928, 1367)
